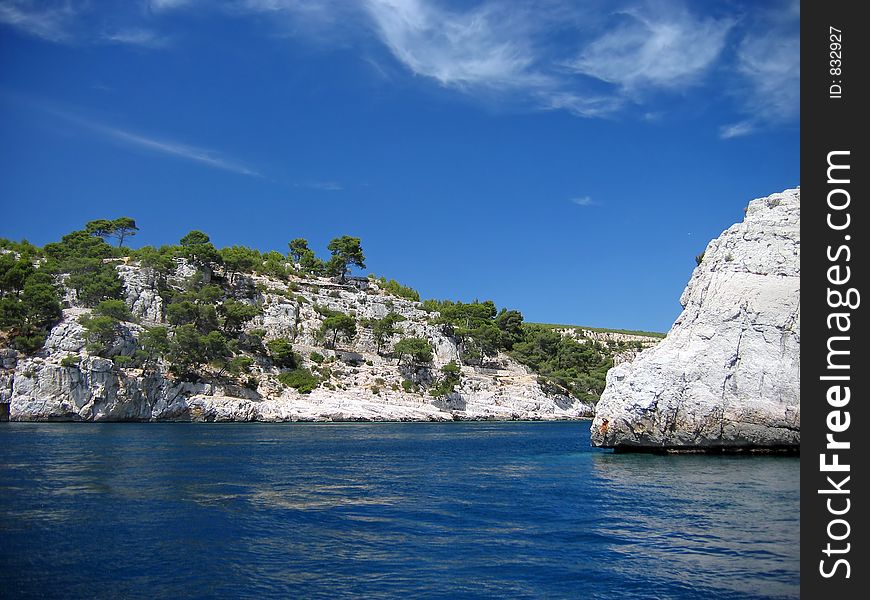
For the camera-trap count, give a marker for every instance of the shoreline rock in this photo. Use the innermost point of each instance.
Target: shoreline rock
(727, 376)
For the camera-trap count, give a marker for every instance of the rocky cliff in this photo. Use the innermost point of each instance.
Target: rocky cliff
(65, 382)
(727, 375)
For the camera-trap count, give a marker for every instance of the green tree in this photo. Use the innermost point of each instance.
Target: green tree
(198, 249)
(237, 313)
(299, 249)
(216, 350)
(282, 353)
(186, 348)
(239, 259)
(96, 283)
(451, 376)
(312, 265)
(154, 344)
(120, 228)
(385, 328)
(338, 325)
(160, 259)
(417, 350)
(510, 323)
(239, 365)
(13, 273)
(41, 303)
(274, 265)
(100, 227)
(11, 313)
(346, 251)
(182, 313)
(123, 227)
(101, 333)
(117, 309)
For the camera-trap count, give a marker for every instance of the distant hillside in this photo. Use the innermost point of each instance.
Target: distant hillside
(652, 334)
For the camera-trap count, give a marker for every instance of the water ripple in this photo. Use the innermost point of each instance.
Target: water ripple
(471, 510)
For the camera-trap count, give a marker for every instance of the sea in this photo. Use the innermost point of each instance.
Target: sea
(385, 510)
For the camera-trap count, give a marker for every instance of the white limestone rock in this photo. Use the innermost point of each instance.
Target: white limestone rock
(140, 292)
(726, 377)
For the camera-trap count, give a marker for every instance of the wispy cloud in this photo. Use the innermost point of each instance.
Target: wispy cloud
(592, 58)
(477, 48)
(583, 201)
(73, 22)
(162, 146)
(726, 132)
(51, 23)
(136, 37)
(158, 5)
(768, 69)
(661, 49)
(771, 64)
(323, 186)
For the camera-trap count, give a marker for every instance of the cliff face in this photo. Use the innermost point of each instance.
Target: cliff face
(358, 382)
(727, 374)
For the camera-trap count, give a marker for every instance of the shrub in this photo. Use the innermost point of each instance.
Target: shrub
(240, 364)
(395, 288)
(70, 360)
(28, 342)
(451, 376)
(122, 361)
(302, 380)
(281, 351)
(316, 357)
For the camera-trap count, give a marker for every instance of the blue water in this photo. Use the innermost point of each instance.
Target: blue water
(460, 510)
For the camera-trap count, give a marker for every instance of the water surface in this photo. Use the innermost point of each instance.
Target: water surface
(471, 510)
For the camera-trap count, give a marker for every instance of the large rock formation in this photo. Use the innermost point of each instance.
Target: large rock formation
(727, 376)
(63, 382)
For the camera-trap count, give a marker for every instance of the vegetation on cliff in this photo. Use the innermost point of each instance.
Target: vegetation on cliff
(203, 330)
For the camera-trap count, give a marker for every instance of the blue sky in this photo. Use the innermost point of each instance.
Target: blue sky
(568, 159)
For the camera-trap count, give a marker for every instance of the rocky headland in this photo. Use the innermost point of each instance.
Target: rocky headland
(726, 377)
(356, 377)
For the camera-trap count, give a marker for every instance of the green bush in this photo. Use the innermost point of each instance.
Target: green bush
(281, 351)
(394, 288)
(300, 379)
(316, 357)
(122, 361)
(71, 360)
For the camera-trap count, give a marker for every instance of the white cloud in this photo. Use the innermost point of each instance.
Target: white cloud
(136, 37)
(592, 58)
(726, 132)
(49, 23)
(478, 48)
(668, 49)
(165, 147)
(170, 148)
(323, 186)
(771, 64)
(583, 201)
(159, 5)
